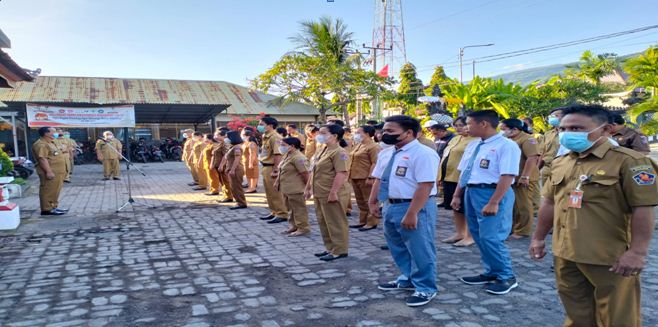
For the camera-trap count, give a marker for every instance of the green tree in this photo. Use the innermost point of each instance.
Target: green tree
(440, 79)
(643, 72)
(411, 87)
(594, 67)
(482, 93)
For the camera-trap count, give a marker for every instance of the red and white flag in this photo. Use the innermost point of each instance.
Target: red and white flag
(384, 71)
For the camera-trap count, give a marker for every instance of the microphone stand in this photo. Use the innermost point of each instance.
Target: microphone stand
(130, 200)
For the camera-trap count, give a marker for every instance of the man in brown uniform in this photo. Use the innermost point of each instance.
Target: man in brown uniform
(68, 147)
(188, 155)
(599, 201)
(628, 137)
(550, 144)
(311, 146)
(109, 156)
(51, 168)
(221, 163)
(270, 158)
(293, 132)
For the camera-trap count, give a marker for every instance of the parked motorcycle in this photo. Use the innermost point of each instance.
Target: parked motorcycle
(23, 167)
(156, 154)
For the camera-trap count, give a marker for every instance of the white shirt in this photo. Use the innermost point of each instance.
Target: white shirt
(497, 156)
(415, 163)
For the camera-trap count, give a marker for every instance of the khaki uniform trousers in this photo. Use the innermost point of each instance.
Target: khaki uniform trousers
(72, 162)
(362, 194)
(202, 176)
(274, 198)
(298, 212)
(524, 212)
(235, 183)
(190, 165)
(225, 184)
(49, 189)
(333, 225)
(213, 177)
(110, 168)
(348, 199)
(594, 296)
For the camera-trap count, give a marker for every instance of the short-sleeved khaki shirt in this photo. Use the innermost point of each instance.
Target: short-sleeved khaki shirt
(188, 155)
(325, 166)
(617, 179)
(629, 138)
(197, 151)
(51, 151)
(290, 170)
(529, 148)
(362, 158)
(549, 147)
(452, 155)
(270, 147)
(218, 152)
(104, 149)
(310, 148)
(235, 153)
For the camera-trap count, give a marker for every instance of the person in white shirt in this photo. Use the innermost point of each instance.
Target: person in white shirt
(488, 169)
(405, 176)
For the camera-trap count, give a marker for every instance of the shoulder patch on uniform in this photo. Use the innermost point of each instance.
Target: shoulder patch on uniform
(644, 178)
(641, 168)
(344, 156)
(633, 154)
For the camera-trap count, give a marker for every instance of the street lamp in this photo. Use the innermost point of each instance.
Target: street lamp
(461, 58)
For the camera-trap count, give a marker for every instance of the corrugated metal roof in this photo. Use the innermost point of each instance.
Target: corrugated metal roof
(103, 91)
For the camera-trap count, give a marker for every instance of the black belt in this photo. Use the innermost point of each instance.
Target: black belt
(396, 201)
(483, 185)
(267, 165)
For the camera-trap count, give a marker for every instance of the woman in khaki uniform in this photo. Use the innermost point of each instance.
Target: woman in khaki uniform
(197, 159)
(449, 177)
(250, 159)
(329, 189)
(527, 184)
(235, 169)
(209, 164)
(293, 177)
(362, 161)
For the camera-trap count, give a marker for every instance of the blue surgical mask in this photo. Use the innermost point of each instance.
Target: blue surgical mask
(553, 121)
(577, 141)
(321, 139)
(261, 128)
(56, 135)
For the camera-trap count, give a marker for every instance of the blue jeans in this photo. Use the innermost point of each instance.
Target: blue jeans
(413, 250)
(490, 232)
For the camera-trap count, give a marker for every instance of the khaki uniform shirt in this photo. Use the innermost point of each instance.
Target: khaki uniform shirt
(207, 154)
(49, 149)
(105, 150)
(197, 151)
(219, 152)
(235, 153)
(549, 147)
(362, 158)
(529, 147)
(426, 142)
(270, 147)
(618, 179)
(290, 170)
(187, 150)
(301, 137)
(325, 166)
(310, 148)
(629, 138)
(452, 155)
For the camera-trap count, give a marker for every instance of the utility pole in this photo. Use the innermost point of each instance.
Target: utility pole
(375, 104)
(473, 69)
(461, 59)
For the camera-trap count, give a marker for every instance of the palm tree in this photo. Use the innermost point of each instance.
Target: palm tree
(326, 38)
(594, 67)
(643, 72)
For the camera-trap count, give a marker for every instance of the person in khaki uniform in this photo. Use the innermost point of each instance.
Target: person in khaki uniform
(188, 155)
(270, 158)
(425, 141)
(526, 188)
(235, 169)
(550, 144)
(224, 144)
(329, 189)
(599, 202)
(448, 177)
(197, 161)
(250, 158)
(362, 161)
(209, 166)
(51, 169)
(311, 146)
(292, 131)
(65, 138)
(108, 156)
(628, 137)
(293, 177)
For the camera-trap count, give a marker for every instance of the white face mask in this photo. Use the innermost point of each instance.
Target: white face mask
(284, 149)
(227, 141)
(109, 137)
(358, 138)
(321, 139)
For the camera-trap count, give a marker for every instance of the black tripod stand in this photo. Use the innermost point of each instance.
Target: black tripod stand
(130, 200)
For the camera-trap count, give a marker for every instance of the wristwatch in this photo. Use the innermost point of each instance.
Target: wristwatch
(525, 177)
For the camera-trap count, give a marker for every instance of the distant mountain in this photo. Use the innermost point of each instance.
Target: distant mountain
(527, 76)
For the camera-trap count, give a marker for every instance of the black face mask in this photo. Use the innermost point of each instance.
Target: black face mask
(391, 139)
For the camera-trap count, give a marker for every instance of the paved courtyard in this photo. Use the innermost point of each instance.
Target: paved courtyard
(180, 259)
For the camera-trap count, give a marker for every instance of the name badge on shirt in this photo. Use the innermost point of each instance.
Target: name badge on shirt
(576, 199)
(484, 163)
(401, 171)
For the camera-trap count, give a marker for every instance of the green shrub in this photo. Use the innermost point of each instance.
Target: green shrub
(19, 181)
(6, 163)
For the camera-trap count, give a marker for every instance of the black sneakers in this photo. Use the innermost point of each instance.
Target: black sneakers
(395, 286)
(477, 280)
(500, 287)
(420, 298)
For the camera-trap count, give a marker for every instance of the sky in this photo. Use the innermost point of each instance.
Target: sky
(236, 40)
